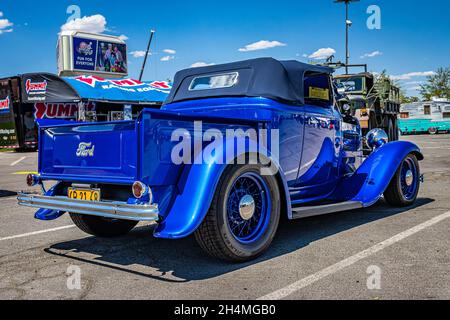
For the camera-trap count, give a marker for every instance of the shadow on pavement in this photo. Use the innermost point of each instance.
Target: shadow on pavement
(6, 193)
(184, 261)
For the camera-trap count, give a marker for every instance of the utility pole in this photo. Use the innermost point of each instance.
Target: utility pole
(348, 24)
(152, 32)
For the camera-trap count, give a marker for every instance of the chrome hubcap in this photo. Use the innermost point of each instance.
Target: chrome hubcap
(247, 207)
(409, 178)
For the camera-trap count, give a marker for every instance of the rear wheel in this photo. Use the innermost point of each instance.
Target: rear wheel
(392, 130)
(243, 217)
(405, 184)
(102, 227)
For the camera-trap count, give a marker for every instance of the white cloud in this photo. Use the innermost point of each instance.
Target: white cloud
(322, 53)
(414, 82)
(167, 58)
(261, 45)
(139, 54)
(410, 75)
(170, 51)
(201, 64)
(5, 25)
(94, 24)
(123, 37)
(372, 54)
(6, 31)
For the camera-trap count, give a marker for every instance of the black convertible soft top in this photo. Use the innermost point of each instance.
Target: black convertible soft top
(263, 77)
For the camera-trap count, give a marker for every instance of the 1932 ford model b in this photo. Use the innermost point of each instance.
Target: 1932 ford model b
(234, 148)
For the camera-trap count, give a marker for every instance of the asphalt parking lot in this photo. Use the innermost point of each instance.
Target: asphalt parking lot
(377, 253)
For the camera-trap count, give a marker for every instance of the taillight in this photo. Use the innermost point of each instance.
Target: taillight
(32, 180)
(140, 190)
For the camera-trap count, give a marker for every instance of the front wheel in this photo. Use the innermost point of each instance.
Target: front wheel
(405, 185)
(102, 227)
(244, 215)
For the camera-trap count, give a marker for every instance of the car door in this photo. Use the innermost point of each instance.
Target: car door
(319, 164)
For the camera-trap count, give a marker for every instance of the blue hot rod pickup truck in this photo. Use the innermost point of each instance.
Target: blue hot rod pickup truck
(234, 148)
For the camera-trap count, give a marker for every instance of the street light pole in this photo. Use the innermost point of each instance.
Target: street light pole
(348, 24)
(152, 32)
(347, 27)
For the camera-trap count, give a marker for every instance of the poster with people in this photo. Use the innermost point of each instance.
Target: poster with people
(111, 57)
(101, 56)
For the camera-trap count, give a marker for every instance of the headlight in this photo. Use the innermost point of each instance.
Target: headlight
(376, 138)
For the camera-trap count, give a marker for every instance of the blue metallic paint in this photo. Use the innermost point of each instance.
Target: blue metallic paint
(310, 164)
(186, 214)
(47, 214)
(371, 180)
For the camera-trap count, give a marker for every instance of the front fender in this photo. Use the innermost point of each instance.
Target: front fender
(371, 180)
(192, 205)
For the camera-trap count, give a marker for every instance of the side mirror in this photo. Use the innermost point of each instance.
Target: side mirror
(376, 138)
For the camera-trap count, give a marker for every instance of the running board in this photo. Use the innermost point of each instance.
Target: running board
(312, 211)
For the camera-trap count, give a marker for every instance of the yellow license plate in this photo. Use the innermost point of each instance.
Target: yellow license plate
(84, 194)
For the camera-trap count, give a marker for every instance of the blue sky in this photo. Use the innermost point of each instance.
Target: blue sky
(414, 38)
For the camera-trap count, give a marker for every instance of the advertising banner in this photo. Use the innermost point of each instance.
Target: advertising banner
(59, 110)
(101, 56)
(84, 54)
(5, 105)
(112, 57)
(43, 87)
(8, 137)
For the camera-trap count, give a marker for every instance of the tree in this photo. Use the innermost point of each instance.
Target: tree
(437, 85)
(406, 99)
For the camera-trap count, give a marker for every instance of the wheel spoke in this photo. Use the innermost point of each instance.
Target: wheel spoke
(245, 186)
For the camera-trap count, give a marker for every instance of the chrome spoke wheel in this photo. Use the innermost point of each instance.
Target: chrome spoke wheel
(409, 179)
(248, 208)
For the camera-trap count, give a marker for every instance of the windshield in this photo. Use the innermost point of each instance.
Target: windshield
(354, 84)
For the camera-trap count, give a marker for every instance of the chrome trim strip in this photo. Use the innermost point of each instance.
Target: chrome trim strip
(312, 211)
(113, 210)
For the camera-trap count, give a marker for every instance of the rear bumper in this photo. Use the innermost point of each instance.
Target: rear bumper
(112, 210)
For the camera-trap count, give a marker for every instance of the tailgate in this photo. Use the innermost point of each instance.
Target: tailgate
(89, 152)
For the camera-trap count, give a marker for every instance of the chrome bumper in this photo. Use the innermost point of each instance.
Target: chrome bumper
(113, 210)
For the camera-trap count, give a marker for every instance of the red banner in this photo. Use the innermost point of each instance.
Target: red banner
(58, 110)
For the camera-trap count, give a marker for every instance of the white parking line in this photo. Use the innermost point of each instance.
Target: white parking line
(296, 286)
(18, 161)
(24, 235)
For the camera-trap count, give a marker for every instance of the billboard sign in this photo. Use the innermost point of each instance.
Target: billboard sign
(99, 56)
(85, 53)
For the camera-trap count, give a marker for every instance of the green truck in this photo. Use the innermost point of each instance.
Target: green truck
(374, 100)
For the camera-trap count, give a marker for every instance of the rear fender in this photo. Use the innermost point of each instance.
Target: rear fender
(192, 205)
(371, 180)
(48, 214)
